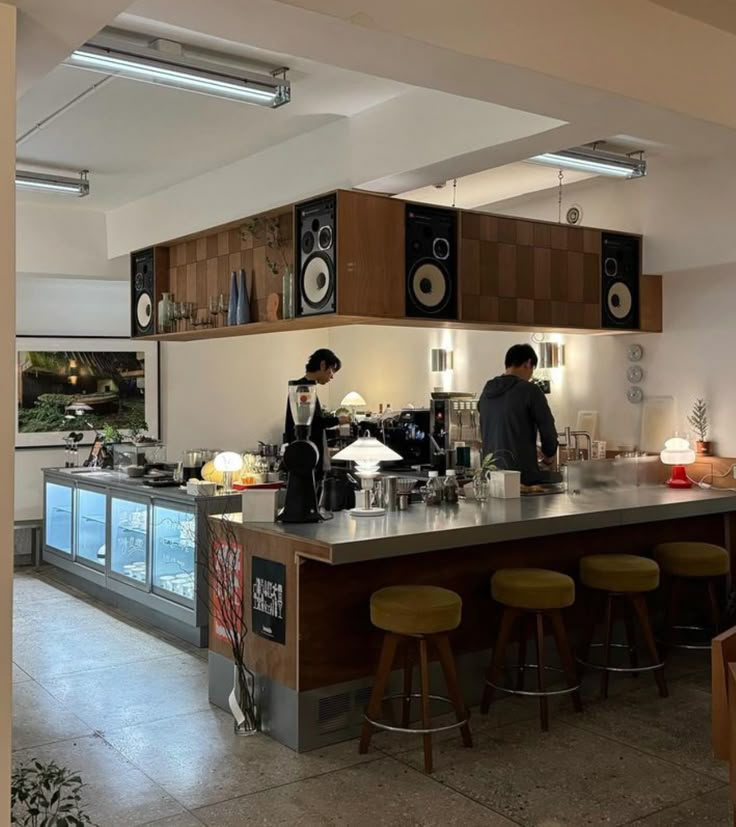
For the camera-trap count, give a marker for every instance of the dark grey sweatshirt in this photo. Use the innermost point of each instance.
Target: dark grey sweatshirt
(511, 413)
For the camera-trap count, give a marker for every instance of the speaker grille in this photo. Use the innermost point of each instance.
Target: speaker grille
(316, 257)
(431, 262)
(142, 293)
(620, 273)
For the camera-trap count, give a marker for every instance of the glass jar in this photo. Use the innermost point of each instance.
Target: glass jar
(434, 489)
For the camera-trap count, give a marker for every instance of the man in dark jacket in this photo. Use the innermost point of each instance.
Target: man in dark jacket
(512, 411)
(323, 364)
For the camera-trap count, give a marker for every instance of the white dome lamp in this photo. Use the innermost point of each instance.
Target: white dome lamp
(678, 452)
(353, 400)
(228, 462)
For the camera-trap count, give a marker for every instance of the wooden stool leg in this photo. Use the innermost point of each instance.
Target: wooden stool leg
(631, 642)
(499, 651)
(426, 719)
(642, 612)
(673, 608)
(715, 614)
(447, 660)
(385, 662)
(408, 667)
(522, 652)
(607, 645)
(541, 682)
(591, 606)
(568, 662)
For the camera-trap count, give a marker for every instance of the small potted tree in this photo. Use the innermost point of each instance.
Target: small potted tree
(698, 420)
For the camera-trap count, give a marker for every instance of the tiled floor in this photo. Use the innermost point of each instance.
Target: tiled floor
(128, 709)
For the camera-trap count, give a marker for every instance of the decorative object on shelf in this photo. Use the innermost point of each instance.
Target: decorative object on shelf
(228, 462)
(232, 308)
(280, 263)
(165, 314)
(243, 308)
(635, 374)
(634, 353)
(213, 305)
(635, 394)
(223, 305)
(678, 453)
(287, 287)
(698, 420)
(46, 794)
(273, 302)
(117, 384)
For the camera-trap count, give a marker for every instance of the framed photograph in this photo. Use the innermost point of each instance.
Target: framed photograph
(84, 384)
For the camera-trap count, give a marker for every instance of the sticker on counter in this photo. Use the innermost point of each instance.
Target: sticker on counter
(268, 596)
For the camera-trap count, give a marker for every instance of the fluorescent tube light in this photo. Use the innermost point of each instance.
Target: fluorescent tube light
(586, 159)
(50, 182)
(191, 74)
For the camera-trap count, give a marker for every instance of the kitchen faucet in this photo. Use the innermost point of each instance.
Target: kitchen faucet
(569, 436)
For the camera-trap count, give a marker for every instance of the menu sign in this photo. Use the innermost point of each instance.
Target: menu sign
(268, 597)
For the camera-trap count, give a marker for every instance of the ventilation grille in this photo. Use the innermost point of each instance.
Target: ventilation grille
(334, 712)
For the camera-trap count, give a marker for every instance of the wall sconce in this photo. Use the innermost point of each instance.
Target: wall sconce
(551, 355)
(441, 360)
(73, 372)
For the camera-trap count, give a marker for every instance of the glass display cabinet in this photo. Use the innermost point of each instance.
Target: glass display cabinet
(129, 539)
(91, 537)
(58, 517)
(174, 541)
(133, 546)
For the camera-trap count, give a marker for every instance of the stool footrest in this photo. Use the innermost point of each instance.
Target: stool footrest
(531, 693)
(633, 669)
(681, 644)
(412, 730)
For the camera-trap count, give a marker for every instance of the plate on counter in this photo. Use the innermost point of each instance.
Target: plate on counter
(367, 512)
(542, 490)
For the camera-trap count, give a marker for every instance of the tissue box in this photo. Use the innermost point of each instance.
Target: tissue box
(260, 505)
(198, 488)
(505, 484)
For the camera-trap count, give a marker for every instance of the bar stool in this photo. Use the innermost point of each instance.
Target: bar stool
(529, 596)
(687, 562)
(622, 577)
(425, 615)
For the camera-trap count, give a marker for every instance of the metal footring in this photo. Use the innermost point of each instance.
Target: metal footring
(412, 730)
(603, 668)
(528, 692)
(705, 646)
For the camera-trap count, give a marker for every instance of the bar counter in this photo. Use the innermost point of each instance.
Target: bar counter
(312, 687)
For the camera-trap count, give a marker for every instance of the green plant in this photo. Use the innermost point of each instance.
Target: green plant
(489, 464)
(271, 228)
(137, 425)
(46, 795)
(698, 419)
(110, 434)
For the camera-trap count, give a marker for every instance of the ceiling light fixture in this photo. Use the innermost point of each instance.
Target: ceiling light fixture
(178, 71)
(596, 161)
(50, 182)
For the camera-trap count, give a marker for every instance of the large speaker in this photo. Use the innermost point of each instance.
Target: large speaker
(143, 284)
(431, 262)
(620, 271)
(316, 259)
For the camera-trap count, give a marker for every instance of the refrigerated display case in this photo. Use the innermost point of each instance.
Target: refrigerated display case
(129, 539)
(91, 513)
(174, 540)
(58, 517)
(135, 547)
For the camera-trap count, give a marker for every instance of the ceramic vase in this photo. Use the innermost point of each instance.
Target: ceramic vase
(232, 311)
(165, 314)
(243, 308)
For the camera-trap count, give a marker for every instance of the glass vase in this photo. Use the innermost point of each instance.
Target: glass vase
(288, 293)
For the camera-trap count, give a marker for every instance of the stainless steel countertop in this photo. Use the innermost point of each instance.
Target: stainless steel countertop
(421, 528)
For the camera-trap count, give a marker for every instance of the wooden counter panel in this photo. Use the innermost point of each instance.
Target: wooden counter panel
(338, 643)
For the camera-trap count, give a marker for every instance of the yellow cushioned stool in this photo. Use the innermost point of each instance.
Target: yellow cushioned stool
(529, 597)
(621, 580)
(415, 617)
(701, 565)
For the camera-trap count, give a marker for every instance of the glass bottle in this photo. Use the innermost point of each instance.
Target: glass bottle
(288, 291)
(451, 489)
(232, 310)
(434, 489)
(165, 314)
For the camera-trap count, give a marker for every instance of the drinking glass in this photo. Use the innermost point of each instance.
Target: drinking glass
(223, 306)
(176, 315)
(189, 315)
(214, 310)
(480, 488)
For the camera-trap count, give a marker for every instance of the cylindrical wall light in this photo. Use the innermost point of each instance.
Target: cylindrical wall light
(551, 355)
(441, 359)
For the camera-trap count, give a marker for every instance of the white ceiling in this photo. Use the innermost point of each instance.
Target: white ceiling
(136, 138)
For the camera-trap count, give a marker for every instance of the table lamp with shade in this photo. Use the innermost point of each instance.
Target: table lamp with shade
(367, 453)
(228, 462)
(353, 401)
(678, 453)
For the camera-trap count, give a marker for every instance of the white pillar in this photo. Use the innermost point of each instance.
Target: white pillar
(7, 385)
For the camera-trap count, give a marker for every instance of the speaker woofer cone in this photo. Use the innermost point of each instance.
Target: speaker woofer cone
(144, 311)
(619, 301)
(325, 238)
(307, 243)
(610, 267)
(318, 282)
(429, 287)
(441, 249)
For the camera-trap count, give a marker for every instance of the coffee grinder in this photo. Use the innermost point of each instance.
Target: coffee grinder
(301, 457)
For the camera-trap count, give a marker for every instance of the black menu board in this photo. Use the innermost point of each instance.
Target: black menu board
(268, 597)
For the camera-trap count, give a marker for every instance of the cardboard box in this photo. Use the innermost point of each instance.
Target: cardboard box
(261, 505)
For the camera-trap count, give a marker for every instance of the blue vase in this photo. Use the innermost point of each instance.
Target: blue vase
(232, 309)
(243, 312)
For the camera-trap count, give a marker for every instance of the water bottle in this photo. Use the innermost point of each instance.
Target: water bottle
(434, 489)
(451, 489)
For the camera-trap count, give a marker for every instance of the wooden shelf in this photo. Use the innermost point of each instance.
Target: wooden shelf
(336, 320)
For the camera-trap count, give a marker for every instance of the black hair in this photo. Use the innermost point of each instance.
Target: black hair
(323, 355)
(517, 355)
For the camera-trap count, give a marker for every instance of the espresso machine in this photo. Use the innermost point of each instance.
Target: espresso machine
(408, 434)
(301, 457)
(455, 436)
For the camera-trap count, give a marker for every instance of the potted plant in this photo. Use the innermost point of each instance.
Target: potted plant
(46, 795)
(698, 420)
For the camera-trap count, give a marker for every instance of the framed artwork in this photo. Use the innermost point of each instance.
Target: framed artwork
(83, 384)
